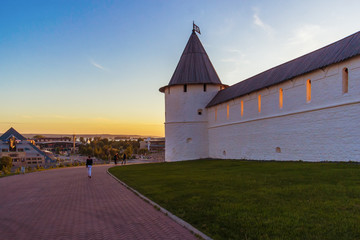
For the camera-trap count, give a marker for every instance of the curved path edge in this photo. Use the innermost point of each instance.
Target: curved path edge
(178, 220)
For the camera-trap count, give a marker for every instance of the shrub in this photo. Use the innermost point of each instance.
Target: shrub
(5, 163)
(5, 171)
(39, 167)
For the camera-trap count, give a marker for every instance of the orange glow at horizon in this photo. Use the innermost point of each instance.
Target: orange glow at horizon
(113, 128)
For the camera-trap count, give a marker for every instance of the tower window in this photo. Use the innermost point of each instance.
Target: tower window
(345, 80)
(205, 87)
(242, 107)
(259, 103)
(278, 149)
(227, 111)
(185, 88)
(199, 111)
(308, 90)
(280, 98)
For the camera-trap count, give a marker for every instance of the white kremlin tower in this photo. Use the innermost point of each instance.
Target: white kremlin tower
(192, 86)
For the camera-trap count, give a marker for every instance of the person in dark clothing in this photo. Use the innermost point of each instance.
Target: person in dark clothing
(124, 159)
(116, 158)
(89, 163)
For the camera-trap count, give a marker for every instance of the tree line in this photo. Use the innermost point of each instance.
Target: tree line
(105, 149)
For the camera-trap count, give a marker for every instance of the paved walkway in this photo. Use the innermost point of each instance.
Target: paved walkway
(66, 204)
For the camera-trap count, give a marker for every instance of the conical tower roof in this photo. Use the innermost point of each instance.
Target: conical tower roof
(194, 66)
(12, 132)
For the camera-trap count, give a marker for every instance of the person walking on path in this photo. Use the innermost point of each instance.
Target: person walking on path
(89, 163)
(124, 159)
(116, 158)
(23, 164)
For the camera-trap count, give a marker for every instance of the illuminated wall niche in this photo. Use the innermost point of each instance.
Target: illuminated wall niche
(227, 111)
(259, 103)
(280, 98)
(308, 90)
(345, 80)
(242, 107)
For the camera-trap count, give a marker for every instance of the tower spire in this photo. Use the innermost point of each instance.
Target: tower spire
(196, 28)
(194, 66)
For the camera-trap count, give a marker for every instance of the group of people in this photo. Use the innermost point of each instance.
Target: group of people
(89, 162)
(116, 158)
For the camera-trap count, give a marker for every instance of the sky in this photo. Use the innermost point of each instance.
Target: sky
(95, 67)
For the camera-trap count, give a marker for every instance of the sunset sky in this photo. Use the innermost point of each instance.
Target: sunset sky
(95, 67)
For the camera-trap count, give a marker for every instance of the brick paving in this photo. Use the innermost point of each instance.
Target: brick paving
(66, 204)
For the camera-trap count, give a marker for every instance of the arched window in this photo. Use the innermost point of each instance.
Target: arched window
(242, 107)
(280, 98)
(204, 87)
(308, 90)
(345, 80)
(185, 88)
(259, 103)
(227, 111)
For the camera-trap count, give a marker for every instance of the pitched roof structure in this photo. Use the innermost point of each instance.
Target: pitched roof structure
(12, 132)
(194, 66)
(47, 158)
(323, 57)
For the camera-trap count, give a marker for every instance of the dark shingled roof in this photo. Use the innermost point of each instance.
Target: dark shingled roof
(333, 53)
(194, 66)
(12, 132)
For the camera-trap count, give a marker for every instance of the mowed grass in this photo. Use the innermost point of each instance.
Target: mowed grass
(231, 199)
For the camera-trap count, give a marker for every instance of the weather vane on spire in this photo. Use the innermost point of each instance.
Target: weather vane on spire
(196, 28)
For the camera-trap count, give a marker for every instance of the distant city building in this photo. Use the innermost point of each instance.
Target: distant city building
(153, 144)
(23, 151)
(123, 139)
(61, 144)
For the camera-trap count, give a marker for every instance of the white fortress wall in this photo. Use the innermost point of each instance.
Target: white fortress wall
(327, 128)
(185, 129)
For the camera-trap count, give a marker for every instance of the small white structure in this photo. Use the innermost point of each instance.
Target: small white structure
(153, 144)
(306, 109)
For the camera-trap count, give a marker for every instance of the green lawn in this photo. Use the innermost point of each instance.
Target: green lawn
(229, 199)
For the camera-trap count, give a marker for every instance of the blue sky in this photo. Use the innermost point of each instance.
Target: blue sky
(96, 66)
